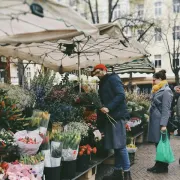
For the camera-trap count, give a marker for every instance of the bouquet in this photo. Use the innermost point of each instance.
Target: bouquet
(32, 160)
(3, 168)
(93, 98)
(28, 143)
(131, 148)
(45, 143)
(41, 119)
(7, 139)
(79, 127)
(56, 153)
(36, 161)
(21, 172)
(87, 149)
(70, 142)
(56, 149)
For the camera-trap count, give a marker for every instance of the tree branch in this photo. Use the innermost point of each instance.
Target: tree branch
(111, 9)
(141, 36)
(115, 5)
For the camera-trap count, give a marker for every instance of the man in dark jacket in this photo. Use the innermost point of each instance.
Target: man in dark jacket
(112, 96)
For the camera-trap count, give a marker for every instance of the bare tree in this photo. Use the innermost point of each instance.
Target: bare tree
(95, 14)
(169, 32)
(173, 46)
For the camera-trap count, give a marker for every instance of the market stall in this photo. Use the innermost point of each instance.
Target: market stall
(59, 130)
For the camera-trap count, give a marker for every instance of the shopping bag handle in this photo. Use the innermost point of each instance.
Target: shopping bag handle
(164, 132)
(164, 136)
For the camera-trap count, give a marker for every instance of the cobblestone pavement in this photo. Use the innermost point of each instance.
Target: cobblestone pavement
(145, 158)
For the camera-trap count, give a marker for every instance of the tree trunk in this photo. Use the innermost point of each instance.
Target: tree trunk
(20, 72)
(109, 10)
(177, 78)
(91, 11)
(97, 12)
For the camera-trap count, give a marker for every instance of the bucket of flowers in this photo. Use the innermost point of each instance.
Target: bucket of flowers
(84, 157)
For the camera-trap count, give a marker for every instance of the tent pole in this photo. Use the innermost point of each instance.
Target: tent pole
(79, 72)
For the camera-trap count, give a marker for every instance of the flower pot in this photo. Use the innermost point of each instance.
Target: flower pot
(83, 163)
(68, 170)
(52, 173)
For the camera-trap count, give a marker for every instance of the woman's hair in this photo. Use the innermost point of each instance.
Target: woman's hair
(161, 74)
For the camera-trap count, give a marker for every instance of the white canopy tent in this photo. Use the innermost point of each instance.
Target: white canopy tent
(61, 40)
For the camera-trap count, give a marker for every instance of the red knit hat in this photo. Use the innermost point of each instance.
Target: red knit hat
(100, 66)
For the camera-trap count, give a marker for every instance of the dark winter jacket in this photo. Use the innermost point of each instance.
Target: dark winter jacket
(112, 96)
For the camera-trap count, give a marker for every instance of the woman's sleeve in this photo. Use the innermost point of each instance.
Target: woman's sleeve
(166, 107)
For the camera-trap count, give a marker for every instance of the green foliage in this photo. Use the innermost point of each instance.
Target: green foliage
(11, 116)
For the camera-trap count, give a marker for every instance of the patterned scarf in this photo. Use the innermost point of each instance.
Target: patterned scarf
(158, 86)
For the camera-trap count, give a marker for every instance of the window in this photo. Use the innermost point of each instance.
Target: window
(176, 32)
(84, 15)
(158, 11)
(140, 10)
(176, 6)
(72, 2)
(28, 72)
(140, 32)
(176, 60)
(158, 34)
(116, 12)
(157, 61)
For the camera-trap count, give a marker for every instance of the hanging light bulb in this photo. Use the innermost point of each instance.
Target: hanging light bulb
(37, 10)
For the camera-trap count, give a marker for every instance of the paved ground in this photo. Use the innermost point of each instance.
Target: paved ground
(145, 158)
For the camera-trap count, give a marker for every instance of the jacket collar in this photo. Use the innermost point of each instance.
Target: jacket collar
(163, 88)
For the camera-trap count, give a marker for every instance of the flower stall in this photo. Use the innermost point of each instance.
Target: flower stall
(54, 133)
(49, 134)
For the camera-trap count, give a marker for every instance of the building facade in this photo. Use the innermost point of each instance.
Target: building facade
(159, 40)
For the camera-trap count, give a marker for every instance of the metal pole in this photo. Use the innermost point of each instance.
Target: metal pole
(79, 72)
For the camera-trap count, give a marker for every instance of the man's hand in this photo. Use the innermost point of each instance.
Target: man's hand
(104, 110)
(163, 128)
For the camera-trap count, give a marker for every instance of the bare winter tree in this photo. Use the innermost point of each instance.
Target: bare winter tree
(168, 31)
(172, 45)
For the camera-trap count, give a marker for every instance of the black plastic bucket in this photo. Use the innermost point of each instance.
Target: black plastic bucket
(52, 173)
(68, 170)
(83, 163)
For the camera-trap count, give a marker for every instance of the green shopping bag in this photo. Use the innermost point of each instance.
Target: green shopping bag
(164, 152)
